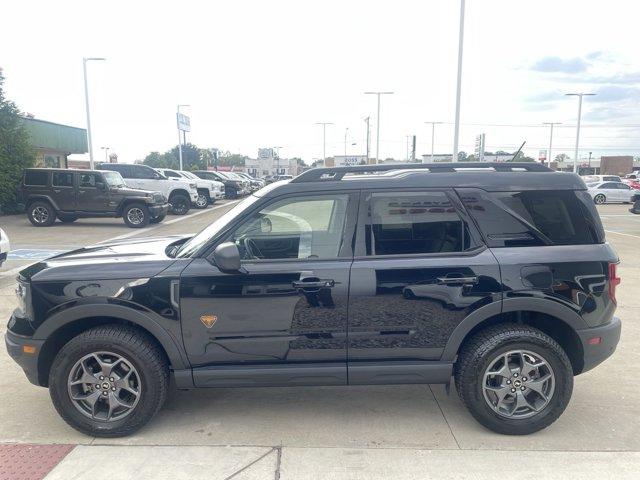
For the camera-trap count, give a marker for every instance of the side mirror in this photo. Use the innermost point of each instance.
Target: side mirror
(227, 257)
(101, 186)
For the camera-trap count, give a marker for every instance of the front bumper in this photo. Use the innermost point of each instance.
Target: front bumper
(216, 194)
(596, 353)
(28, 361)
(158, 210)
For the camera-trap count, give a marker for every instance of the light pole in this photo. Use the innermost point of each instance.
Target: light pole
(179, 138)
(324, 139)
(551, 124)
(433, 135)
(346, 131)
(590, 153)
(86, 103)
(459, 84)
(277, 149)
(575, 153)
(106, 153)
(378, 122)
(367, 122)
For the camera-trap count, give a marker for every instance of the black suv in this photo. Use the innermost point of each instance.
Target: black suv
(232, 188)
(497, 275)
(71, 194)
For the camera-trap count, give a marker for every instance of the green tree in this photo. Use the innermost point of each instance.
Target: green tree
(16, 152)
(155, 160)
(521, 157)
(562, 157)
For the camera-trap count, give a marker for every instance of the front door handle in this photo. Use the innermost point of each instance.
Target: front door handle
(314, 284)
(457, 280)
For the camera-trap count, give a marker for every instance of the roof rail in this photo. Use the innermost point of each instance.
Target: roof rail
(336, 173)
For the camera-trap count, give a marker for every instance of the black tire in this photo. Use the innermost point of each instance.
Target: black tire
(179, 204)
(136, 215)
(67, 218)
(600, 199)
(476, 357)
(41, 214)
(158, 219)
(135, 347)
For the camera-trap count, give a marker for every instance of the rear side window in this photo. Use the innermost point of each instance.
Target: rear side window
(414, 223)
(35, 178)
(62, 179)
(142, 172)
(512, 219)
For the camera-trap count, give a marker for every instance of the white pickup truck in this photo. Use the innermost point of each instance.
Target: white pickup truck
(180, 194)
(208, 190)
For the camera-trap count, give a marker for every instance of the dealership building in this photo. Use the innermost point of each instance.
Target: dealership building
(54, 142)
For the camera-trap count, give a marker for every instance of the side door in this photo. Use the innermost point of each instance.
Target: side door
(282, 319)
(64, 190)
(610, 191)
(93, 194)
(420, 268)
(625, 192)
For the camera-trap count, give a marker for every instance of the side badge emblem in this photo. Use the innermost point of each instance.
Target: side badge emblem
(208, 320)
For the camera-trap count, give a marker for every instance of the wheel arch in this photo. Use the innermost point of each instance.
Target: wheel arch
(557, 321)
(179, 191)
(65, 325)
(41, 198)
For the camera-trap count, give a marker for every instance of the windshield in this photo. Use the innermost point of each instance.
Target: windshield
(113, 179)
(197, 242)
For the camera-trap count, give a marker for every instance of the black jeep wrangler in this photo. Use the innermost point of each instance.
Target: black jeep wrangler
(495, 275)
(71, 194)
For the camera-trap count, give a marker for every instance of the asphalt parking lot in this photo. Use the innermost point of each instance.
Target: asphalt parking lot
(413, 431)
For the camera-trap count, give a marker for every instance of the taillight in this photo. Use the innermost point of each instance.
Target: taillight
(614, 281)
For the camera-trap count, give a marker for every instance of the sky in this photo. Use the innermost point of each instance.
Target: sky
(262, 73)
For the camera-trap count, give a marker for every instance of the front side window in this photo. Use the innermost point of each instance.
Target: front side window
(62, 179)
(88, 180)
(294, 228)
(414, 223)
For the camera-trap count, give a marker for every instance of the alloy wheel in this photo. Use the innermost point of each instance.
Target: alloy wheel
(518, 384)
(135, 216)
(202, 201)
(40, 214)
(104, 386)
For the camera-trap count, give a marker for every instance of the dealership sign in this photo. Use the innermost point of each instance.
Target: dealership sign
(184, 122)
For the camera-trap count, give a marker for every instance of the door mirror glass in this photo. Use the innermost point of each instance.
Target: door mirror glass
(226, 256)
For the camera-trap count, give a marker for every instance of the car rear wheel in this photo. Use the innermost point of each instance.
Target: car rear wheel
(41, 214)
(136, 215)
(514, 379)
(179, 204)
(109, 381)
(599, 199)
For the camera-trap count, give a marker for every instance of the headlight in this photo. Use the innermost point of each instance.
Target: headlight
(22, 294)
(193, 186)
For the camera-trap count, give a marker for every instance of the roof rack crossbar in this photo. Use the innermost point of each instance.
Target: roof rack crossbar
(337, 173)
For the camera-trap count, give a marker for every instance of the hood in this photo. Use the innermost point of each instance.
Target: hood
(127, 258)
(126, 190)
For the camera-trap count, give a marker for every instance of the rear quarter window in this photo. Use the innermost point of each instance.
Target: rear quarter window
(36, 178)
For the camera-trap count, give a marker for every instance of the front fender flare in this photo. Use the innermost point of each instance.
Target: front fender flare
(171, 346)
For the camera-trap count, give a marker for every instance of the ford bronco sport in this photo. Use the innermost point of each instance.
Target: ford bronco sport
(495, 275)
(65, 194)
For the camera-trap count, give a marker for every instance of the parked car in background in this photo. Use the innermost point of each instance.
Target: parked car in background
(611, 192)
(601, 178)
(634, 184)
(208, 190)
(277, 178)
(245, 188)
(181, 194)
(5, 248)
(233, 188)
(256, 183)
(50, 193)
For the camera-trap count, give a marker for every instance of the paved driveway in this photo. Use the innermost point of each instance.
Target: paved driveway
(369, 432)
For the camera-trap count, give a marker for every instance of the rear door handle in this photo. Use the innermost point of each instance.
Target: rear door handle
(313, 284)
(457, 280)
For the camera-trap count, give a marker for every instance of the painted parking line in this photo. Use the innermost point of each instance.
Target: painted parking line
(620, 233)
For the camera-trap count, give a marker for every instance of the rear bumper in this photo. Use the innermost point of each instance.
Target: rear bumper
(28, 361)
(158, 210)
(596, 353)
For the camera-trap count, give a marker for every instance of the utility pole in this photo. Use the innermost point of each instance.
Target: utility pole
(86, 104)
(575, 153)
(408, 137)
(456, 133)
(378, 122)
(551, 124)
(324, 139)
(346, 130)
(367, 122)
(433, 136)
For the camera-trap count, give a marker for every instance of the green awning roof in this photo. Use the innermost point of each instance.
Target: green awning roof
(54, 136)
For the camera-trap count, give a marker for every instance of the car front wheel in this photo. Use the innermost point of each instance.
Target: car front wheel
(136, 215)
(514, 379)
(599, 199)
(179, 204)
(109, 381)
